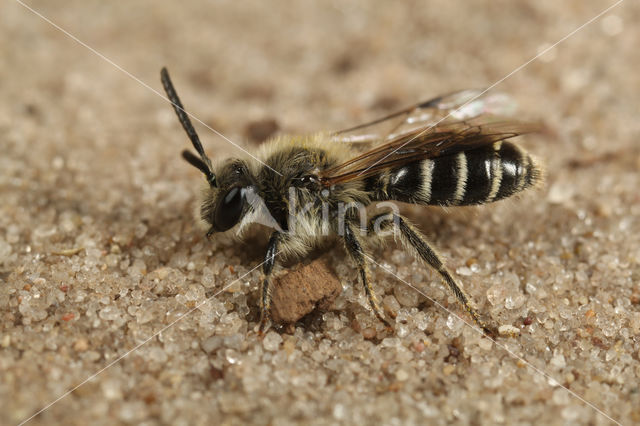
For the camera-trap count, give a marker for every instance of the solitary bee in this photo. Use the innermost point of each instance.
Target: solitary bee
(452, 150)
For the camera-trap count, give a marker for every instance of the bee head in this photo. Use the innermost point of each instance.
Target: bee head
(225, 199)
(225, 203)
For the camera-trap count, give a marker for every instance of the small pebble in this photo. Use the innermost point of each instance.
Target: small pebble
(448, 369)
(271, 341)
(81, 345)
(402, 375)
(508, 330)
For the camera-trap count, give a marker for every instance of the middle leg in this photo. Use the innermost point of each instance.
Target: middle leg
(355, 250)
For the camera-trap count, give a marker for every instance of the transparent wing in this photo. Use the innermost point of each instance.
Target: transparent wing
(427, 141)
(457, 106)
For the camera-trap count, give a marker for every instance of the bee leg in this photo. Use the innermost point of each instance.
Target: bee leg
(267, 268)
(414, 241)
(354, 248)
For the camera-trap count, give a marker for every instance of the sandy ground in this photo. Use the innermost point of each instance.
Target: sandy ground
(89, 160)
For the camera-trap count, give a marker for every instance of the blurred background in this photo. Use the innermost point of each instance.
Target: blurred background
(309, 65)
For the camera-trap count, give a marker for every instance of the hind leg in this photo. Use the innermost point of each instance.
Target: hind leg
(414, 241)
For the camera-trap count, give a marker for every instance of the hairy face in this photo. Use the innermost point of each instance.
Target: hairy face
(224, 205)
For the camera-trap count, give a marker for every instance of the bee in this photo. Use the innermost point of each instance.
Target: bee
(453, 150)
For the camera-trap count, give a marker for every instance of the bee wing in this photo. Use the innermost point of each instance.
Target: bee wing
(462, 105)
(427, 141)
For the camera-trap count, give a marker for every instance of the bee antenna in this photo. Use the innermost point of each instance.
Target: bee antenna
(203, 163)
(200, 165)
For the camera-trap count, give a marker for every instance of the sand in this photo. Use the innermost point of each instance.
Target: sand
(104, 275)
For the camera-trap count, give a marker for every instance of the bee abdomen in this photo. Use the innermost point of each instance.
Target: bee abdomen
(498, 172)
(477, 176)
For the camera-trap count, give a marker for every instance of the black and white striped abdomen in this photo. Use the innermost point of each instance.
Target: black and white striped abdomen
(471, 177)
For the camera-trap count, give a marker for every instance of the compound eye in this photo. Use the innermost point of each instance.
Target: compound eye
(230, 209)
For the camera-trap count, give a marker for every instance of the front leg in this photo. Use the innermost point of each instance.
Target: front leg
(267, 269)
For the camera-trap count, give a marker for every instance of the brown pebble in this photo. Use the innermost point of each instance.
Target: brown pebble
(260, 92)
(395, 387)
(32, 110)
(149, 398)
(303, 289)
(369, 333)
(566, 255)
(448, 369)
(203, 77)
(215, 374)
(344, 64)
(596, 341)
(260, 130)
(81, 345)
(454, 352)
